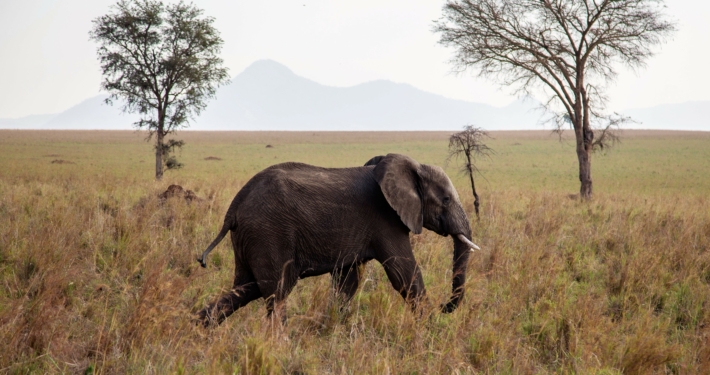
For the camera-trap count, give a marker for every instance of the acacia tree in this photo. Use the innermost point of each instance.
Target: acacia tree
(469, 145)
(565, 49)
(162, 62)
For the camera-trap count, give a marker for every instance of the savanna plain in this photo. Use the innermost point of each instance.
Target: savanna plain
(98, 275)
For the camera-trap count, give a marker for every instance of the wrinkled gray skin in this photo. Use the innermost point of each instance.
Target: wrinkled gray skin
(295, 220)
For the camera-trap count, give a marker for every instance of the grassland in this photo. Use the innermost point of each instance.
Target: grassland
(96, 275)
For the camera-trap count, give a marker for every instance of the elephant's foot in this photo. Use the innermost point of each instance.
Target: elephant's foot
(451, 306)
(341, 307)
(205, 319)
(276, 316)
(215, 313)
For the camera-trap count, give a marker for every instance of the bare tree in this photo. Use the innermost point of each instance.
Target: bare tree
(563, 49)
(163, 62)
(469, 145)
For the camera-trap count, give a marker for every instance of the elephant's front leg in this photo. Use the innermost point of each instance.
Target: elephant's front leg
(406, 278)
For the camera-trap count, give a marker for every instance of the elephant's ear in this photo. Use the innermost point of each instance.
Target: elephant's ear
(374, 160)
(398, 176)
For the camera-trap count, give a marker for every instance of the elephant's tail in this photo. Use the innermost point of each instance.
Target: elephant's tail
(225, 228)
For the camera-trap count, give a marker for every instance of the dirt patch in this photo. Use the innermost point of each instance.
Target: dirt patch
(60, 161)
(212, 158)
(177, 191)
(51, 156)
(269, 146)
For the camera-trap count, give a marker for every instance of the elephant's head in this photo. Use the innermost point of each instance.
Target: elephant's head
(423, 196)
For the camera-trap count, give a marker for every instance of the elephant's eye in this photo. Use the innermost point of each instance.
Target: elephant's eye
(446, 201)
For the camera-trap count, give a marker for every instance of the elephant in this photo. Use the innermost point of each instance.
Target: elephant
(294, 220)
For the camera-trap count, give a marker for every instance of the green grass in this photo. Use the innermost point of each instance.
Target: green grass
(96, 275)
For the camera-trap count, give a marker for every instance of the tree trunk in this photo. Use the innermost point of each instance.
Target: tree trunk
(476, 202)
(159, 144)
(159, 155)
(584, 137)
(584, 156)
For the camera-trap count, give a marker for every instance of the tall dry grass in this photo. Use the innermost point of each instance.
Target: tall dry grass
(98, 275)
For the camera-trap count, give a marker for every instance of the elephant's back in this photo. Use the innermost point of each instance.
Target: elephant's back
(293, 196)
(293, 184)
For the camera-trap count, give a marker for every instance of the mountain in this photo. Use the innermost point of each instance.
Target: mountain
(686, 116)
(93, 113)
(269, 96)
(27, 122)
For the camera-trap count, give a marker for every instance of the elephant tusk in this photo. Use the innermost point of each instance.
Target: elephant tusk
(465, 240)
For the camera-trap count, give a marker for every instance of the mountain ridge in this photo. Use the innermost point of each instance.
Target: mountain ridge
(269, 96)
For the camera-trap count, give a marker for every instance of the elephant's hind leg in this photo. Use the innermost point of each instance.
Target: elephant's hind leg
(276, 291)
(346, 280)
(239, 296)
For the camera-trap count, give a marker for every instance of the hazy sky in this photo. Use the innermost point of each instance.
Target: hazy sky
(48, 64)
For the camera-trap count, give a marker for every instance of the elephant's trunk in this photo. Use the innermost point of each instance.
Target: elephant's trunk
(462, 249)
(461, 253)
